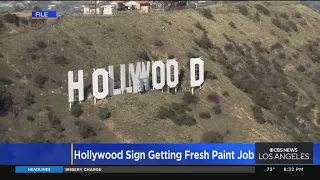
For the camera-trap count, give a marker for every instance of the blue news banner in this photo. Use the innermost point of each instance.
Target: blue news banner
(44, 14)
(57, 155)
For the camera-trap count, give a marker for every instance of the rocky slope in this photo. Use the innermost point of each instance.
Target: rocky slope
(262, 77)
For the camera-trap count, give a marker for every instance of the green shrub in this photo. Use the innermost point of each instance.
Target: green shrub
(34, 56)
(6, 100)
(29, 99)
(184, 119)
(276, 46)
(32, 49)
(286, 41)
(290, 90)
(204, 42)
(276, 22)
(177, 113)
(86, 130)
(157, 43)
(86, 40)
(171, 56)
(225, 93)
(5, 81)
(257, 16)
(189, 98)
(308, 74)
(36, 8)
(284, 16)
(207, 13)
(282, 55)
(280, 25)
(62, 60)
(262, 98)
(213, 98)
(293, 26)
(171, 110)
(228, 47)
(240, 50)
(165, 113)
(262, 9)
(143, 55)
(295, 55)
(297, 15)
(104, 113)
(301, 68)
(53, 119)
(304, 111)
(181, 78)
(41, 79)
(199, 26)
(277, 66)
(316, 79)
(263, 60)
(257, 109)
(167, 21)
(311, 47)
(30, 118)
(76, 109)
(315, 43)
(231, 24)
(212, 137)
(2, 27)
(41, 44)
(209, 75)
(259, 119)
(243, 10)
(257, 46)
(192, 55)
(59, 83)
(87, 90)
(204, 115)
(258, 114)
(36, 22)
(227, 38)
(12, 18)
(217, 109)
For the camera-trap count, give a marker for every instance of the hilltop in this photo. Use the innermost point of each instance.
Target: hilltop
(262, 77)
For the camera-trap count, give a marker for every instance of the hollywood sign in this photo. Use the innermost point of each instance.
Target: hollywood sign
(163, 75)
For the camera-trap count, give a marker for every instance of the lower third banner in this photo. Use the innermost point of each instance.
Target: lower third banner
(160, 154)
(164, 154)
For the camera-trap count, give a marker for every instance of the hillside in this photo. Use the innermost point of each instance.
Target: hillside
(262, 82)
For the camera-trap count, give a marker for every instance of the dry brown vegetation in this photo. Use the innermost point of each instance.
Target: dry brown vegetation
(262, 82)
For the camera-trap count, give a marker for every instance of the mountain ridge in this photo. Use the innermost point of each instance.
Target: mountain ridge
(261, 77)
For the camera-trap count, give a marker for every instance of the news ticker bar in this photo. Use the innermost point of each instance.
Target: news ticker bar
(159, 154)
(165, 169)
